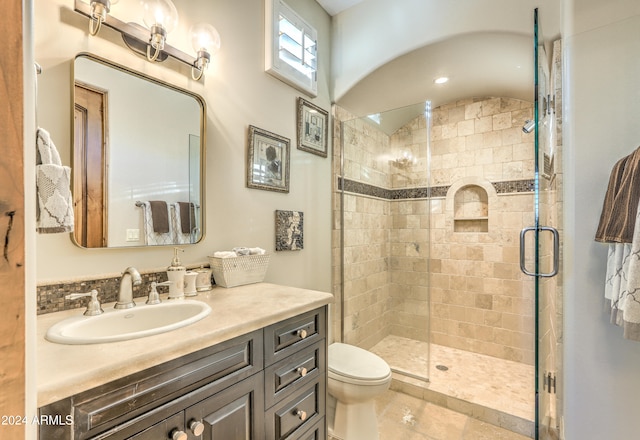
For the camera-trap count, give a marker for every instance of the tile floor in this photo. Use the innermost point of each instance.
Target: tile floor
(404, 417)
(477, 387)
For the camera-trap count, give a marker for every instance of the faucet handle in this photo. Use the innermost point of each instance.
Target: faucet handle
(154, 298)
(93, 306)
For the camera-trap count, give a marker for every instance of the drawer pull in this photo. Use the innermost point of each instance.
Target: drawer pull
(302, 415)
(176, 434)
(302, 371)
(196, 427)
(302, 333)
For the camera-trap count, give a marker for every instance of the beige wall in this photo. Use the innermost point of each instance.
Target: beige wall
(238, 93)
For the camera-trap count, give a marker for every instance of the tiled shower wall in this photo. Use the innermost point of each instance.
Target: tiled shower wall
(478, 299)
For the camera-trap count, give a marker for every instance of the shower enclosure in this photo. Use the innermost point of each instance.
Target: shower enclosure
(438, 211)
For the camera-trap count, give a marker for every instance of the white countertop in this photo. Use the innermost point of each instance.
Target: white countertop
(65, 370)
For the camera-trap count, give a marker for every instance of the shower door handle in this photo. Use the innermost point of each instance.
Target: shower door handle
(556, 251)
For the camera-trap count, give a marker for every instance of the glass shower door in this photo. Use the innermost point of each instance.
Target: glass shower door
(543, 241)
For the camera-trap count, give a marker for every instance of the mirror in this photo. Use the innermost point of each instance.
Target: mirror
(138, 158)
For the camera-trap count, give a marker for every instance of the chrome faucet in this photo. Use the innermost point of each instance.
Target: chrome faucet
(131, 277)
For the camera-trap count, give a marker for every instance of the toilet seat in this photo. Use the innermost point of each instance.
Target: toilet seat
(351, 364)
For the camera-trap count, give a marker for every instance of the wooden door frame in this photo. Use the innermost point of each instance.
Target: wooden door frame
(12, 221)
(91, 195)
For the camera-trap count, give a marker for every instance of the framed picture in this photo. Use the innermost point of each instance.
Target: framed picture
(313, 129)
(267, 161)
(289, 230)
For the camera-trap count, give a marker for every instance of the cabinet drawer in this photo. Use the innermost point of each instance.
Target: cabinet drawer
(287, 337)
(290, 418)
(294, 372)
(317, 432)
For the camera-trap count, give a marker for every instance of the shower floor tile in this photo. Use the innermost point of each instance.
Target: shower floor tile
(494, 390)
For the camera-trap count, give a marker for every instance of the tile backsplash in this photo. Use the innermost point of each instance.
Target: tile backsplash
(51, 296)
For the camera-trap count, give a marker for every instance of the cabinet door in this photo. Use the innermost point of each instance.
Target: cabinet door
(162, 430)
(236, 413)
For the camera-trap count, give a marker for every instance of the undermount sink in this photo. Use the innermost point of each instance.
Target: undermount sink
(121, 325)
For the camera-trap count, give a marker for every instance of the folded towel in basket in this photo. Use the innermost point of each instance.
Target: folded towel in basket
(225, 254)
(55, 204)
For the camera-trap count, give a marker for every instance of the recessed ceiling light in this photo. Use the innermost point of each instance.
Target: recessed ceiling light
(441, 80)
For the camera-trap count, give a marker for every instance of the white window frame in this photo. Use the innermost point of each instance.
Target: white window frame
(304, 76)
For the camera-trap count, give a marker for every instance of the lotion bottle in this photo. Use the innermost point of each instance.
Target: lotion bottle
(175, 273)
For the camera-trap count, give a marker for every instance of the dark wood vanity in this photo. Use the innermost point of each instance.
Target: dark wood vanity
(255, 368)
(267, 384)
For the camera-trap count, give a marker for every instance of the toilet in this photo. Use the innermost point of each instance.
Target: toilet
(356, 378)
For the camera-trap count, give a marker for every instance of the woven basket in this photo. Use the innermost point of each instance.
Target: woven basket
(237, 271)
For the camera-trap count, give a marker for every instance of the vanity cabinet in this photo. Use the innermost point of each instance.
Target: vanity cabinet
(269, 384)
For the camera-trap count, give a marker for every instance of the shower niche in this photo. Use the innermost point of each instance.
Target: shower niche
(471, 209)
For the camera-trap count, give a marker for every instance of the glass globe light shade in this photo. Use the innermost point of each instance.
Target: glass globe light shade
(160, 13)
(204, 37)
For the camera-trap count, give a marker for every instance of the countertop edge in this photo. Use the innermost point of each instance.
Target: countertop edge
(245, 309)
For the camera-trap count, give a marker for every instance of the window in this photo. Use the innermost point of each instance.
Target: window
(290, 47)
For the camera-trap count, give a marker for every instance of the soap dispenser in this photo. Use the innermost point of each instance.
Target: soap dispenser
(176, 273)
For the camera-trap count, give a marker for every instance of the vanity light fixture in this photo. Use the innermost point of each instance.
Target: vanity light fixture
(441, 80)
(160, 18)
(205, 41)
(99, 11)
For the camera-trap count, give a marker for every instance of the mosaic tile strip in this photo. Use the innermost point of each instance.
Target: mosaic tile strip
(515, 186)
(511, 186)
(50, 297)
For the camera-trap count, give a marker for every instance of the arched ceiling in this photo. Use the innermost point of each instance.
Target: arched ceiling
(477, 64)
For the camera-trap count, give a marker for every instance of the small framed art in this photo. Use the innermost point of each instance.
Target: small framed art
(313, 128)
(267, 161)
(289, 230)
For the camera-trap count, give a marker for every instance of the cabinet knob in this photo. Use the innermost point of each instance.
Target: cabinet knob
(196, 427)
(302, 415)
(302, 333)
(302, 371)
(176, 434)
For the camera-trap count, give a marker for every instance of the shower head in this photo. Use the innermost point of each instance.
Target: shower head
(528, 126)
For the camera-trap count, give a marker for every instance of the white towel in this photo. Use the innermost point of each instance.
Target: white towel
(622, 287)
(225, 254)
(241, 250)
(630, 295)
(256, 251)
(53, 180)
(152, 237)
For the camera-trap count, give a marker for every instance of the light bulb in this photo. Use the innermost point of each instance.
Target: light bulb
(204, 37)
(162, 13)
(205, 40)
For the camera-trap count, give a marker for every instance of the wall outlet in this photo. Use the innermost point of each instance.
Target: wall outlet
(133, 234)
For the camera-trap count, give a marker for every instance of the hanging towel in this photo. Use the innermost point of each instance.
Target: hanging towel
(620, 205)
(54, 209)
(152, 237)
(160, 216)
(178, 224)
(628, 316)
(187, 212)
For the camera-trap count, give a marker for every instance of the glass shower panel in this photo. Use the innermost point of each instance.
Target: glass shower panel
(547, 207)
(385, 247)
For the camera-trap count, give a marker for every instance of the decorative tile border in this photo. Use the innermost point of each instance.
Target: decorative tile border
(507, 187)
(50, 297)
